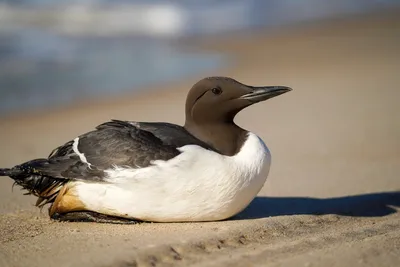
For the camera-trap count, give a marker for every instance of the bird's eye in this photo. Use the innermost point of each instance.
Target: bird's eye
(216, 91)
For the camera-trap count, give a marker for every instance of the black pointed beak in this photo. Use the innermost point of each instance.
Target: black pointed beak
(258, 94)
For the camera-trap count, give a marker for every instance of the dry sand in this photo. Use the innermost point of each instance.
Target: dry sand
(332, 197)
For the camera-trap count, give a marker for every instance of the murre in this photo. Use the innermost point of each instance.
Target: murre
(124, 171)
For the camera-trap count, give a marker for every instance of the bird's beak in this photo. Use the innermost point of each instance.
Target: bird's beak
(258, 94)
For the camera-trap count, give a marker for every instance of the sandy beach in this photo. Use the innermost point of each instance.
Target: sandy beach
(333, 194)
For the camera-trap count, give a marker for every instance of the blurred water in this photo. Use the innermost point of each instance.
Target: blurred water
(40, 69)
(53, 52)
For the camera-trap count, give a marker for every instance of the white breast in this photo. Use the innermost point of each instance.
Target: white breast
(197, 185)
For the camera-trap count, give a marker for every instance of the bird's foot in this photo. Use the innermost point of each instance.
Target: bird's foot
(90, 216)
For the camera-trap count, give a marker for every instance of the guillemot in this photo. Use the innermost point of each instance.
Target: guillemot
(209, 169)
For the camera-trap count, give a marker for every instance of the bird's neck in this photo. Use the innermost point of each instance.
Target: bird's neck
(226, 137)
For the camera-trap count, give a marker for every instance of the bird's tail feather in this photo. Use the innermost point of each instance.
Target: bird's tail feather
(4, 172)
(9, 172)
(29, 177)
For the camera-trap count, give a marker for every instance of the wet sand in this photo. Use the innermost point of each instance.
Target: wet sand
(333, 194)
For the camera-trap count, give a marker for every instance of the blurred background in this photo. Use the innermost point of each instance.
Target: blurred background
(55, 52)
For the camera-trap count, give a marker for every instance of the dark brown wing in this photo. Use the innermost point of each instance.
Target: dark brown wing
(115, 143)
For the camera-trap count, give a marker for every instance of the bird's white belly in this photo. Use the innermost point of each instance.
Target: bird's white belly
(197, 185)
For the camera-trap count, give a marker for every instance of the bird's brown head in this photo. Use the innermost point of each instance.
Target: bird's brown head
(213, 103)
(219, 99)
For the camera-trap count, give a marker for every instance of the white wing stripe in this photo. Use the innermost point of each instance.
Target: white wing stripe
(81, 155)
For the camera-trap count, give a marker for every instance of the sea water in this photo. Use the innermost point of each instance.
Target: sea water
(55, 52)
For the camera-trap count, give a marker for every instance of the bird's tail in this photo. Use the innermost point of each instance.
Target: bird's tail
(8, 172)
(5, 172)
(29, 177)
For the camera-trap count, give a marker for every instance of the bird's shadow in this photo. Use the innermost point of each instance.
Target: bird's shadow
(365, 205)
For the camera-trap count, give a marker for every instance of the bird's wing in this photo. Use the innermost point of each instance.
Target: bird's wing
(114, 143)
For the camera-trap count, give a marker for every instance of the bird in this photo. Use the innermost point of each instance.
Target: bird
(208, 169)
